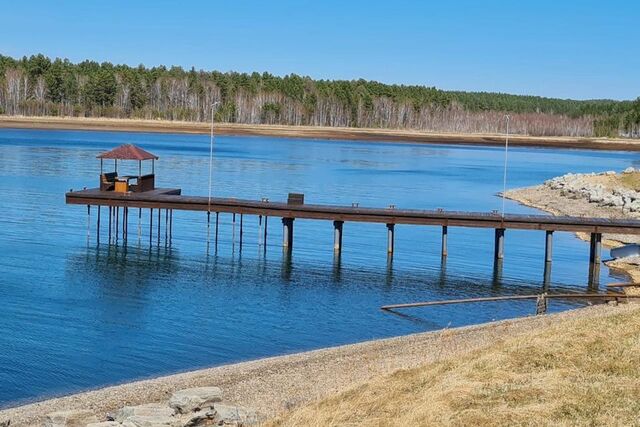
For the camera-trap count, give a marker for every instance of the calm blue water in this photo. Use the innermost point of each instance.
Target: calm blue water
(75, 315)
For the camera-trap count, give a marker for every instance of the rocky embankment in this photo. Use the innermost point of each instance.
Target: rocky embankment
(603, 189)
(606, 194)
(200, 406)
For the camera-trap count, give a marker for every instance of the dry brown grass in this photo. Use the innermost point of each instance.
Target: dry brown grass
(576, 372)
(630, 180)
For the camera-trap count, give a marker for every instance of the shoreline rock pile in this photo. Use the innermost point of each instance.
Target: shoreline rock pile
(579, 186)
(194, 407)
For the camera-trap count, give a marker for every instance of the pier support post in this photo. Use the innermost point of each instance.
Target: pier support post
(241, 230)
(390, 237)
(166, 227)
(264, 237)
(445, 232)
(98, 227)
(125, 224)
(159, 220)
(170, 226)
(110, 219)
(233, 230)
(548, 246)
(117, 220)
(150, 226)
(596, 248)
(499, 244)
(217, 223)
(337, 235)
(287, 233)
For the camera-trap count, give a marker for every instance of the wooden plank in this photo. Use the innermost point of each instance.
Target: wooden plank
(504, 298)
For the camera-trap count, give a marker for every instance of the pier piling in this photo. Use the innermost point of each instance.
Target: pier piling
(287, 234)
(548, 246)
(110, 216)
(445, 233)
(390, 237)
(98, 227)
(217, 223)
(337, 235)
(241, 230)
(499, 244)
(596, 248)
(264, 238)
(117, 221)
(150, 226)
(170, 226)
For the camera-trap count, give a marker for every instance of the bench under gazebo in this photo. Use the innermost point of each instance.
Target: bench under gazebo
(111, 181)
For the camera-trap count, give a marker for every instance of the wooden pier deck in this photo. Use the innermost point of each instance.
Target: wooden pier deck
(171, 199)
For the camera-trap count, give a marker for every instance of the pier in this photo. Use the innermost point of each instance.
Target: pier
(121, 197)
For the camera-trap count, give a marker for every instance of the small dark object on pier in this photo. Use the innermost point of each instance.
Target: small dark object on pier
(295, 199)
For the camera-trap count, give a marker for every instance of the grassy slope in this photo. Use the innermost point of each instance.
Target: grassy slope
(581, 371)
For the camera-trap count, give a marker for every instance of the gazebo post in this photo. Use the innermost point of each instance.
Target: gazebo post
(101, 170)
(139, 170)
(115, 162)
(153, 166)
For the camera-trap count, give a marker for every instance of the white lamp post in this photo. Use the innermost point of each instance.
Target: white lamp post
(210, 169)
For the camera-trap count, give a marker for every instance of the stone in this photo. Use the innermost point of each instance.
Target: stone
(630, 169)
(71, 418)
(235, 414)
(202, 418)
(105, 424)
(191, 399)
(146, 410)
(609, 173)
(153, 421)
(5, 423)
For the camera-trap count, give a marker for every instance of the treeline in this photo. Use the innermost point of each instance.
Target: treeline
(39, 86)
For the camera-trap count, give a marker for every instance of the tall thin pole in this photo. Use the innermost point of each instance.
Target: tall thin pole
(210, 171)
(506, 152)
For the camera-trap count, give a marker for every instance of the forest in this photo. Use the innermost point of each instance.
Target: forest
(39, 86)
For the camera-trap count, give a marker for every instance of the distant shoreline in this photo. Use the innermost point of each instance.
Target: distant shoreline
(314, 132)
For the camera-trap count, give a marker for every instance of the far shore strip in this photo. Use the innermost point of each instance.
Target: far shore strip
(315, 132)
(275, 384)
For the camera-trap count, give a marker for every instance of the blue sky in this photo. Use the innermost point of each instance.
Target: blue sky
(567, 49)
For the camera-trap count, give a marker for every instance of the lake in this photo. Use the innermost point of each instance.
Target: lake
(77, 315)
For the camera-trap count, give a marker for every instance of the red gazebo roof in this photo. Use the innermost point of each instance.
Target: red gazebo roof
(128, 152)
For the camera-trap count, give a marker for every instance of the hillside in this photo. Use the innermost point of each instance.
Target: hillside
(581, 371)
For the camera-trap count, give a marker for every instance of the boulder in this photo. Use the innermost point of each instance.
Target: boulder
(153, 421)
(105, 424)
(202, 418)
(197, 398)
(71, 418)
(146, 410)
(235, 414)
(630, 169)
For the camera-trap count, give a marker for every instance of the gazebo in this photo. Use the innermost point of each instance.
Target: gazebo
(111, 181)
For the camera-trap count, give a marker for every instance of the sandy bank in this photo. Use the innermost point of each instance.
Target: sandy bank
(396, 135)
(275, 384)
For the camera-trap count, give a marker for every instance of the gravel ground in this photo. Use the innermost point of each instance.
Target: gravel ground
(275, 384)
